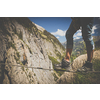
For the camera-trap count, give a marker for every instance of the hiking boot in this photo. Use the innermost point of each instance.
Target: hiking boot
(64, 64)
(86, 67)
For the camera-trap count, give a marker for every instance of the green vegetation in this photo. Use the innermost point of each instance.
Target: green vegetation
(34, 74)
(29, 49)
(30, 75)
(60, 72)
(72, 57)
(20, 35)
(79, 48)
(18, 55)
(16, 58)
(23, 68)
(55, 77)
(27, 69)
(58, 54)
(89, 78)
(54, 61)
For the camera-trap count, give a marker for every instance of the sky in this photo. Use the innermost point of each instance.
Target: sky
(59, 25)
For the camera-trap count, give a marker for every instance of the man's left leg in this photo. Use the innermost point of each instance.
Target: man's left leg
(90, 55)
(87, 24)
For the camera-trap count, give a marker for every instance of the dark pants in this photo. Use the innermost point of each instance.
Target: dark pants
(86, 23)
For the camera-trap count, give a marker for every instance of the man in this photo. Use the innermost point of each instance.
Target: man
(86, 23)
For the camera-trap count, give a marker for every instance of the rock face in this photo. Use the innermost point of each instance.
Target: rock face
(22, 43)
(68, 77)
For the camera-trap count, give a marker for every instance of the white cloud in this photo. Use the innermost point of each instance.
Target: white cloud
(76, 38)
(59, 32)
(94, 28)
(78, 35)
(57, 37)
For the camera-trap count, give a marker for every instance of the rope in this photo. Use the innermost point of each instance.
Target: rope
(49, 68)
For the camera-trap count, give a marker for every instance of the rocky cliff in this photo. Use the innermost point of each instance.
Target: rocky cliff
(24, 43)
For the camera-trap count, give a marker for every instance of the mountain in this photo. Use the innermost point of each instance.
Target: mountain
(23, 43)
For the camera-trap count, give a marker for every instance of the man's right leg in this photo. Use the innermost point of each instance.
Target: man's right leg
(68, 54)
(87, 24)
(69, 37)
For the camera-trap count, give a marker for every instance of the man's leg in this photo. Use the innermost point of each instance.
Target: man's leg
(87, 36)
(87, 24)
(69, 37)
(90, 55)
(68, 54)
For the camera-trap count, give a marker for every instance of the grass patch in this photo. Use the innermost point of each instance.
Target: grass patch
(59, 72)
(89, 78)
(54, 61)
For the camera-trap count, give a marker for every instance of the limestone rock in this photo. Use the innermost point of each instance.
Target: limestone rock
(22, 43)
